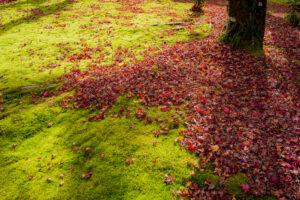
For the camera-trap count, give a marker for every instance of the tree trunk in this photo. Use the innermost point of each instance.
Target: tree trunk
(246, 23)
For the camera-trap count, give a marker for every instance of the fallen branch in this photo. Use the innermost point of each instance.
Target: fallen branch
(34, 87)
(171, 24)
(176, 29)
(28, 88)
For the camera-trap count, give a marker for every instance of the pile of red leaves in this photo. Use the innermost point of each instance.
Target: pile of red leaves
(245, 119)
(2, 2)
(282, 35)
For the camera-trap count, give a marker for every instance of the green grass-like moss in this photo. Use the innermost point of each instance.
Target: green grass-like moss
(116, 180)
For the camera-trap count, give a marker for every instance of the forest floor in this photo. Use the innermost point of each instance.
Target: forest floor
(67, 68)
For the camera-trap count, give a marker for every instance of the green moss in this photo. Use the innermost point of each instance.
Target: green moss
(279, 1)
(233, 184)
(297, 61)
(207, 174)
(254, 51)
(113, 136)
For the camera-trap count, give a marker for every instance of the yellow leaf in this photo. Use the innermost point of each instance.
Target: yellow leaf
(214, 148)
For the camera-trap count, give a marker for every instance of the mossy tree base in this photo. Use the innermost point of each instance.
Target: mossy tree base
(198, 6)
(246, 23)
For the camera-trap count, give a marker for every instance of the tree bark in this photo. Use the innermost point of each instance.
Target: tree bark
(246, 23)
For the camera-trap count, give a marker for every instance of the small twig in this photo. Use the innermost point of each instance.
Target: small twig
(57, 191)
(171, 24)
(27, 164)
(159, 48)
(175, 29)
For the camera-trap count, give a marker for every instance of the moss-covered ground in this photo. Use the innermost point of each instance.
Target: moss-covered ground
(38, 39)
